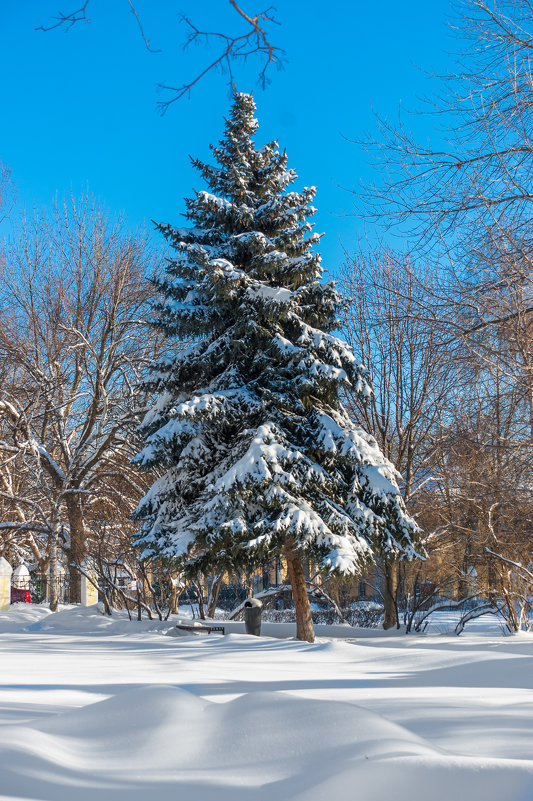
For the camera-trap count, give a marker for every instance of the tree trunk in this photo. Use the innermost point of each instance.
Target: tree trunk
(389, 594)
(213, 595)
(198, 584)
(139, 607)
(175, 592)
(304, 621)
(77, 550)
(53, 586)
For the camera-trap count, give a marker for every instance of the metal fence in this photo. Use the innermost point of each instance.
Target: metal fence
(39, 590)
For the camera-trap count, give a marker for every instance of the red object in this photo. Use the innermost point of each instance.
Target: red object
(20, 596)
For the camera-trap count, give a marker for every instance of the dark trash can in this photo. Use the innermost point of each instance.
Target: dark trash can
(252, 616)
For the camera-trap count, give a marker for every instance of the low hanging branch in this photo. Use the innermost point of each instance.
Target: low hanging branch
(253, 41)
(270, 593)
(316, 589)
(439, 606)
(478, 611)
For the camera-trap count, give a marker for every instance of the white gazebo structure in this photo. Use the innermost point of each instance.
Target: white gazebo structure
(21, 578)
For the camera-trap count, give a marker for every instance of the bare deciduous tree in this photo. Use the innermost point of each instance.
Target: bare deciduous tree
(73, 306)
(386, 322)
(7, 191)
(470, 196)
(480, 170)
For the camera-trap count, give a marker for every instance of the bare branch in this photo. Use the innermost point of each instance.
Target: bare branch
(141, 29)
(254, 41)
(67, 20)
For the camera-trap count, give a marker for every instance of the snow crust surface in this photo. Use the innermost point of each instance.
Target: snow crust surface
(92, 706)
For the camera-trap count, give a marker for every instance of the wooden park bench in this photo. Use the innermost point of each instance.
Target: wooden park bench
(202, 629)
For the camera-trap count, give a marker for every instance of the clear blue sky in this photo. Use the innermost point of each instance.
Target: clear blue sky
(79, 108)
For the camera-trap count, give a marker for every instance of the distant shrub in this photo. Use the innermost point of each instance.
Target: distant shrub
(366, 615)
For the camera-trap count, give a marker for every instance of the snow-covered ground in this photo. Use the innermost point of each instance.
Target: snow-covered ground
(92, 707)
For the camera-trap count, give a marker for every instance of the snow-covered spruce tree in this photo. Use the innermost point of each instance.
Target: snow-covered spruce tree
(258, 455)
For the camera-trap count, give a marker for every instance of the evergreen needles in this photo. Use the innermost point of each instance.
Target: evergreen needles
(255, 447)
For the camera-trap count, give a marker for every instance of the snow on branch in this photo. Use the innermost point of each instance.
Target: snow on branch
(270, 593)
(478, 611)
(439, 606)
(510, 562)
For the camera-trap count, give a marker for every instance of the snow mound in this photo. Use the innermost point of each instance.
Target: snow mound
(78, 620)
(87, 620)
(166, 727)
(273, 745)
(19, 616)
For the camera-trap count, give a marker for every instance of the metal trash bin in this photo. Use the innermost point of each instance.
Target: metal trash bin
(252, 616)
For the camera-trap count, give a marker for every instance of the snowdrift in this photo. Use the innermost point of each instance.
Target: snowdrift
(260, 745)
(92, 706)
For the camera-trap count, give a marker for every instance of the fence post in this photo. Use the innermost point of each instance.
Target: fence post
(5, 584)
(89, 593)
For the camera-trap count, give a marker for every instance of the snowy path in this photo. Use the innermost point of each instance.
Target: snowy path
(91, 706)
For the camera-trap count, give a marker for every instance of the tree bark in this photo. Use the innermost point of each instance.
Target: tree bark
(175, 592)
(198, 584)
(213, 595)
(390, 619)
(304, 621)
(53, 586)
(77, 550)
